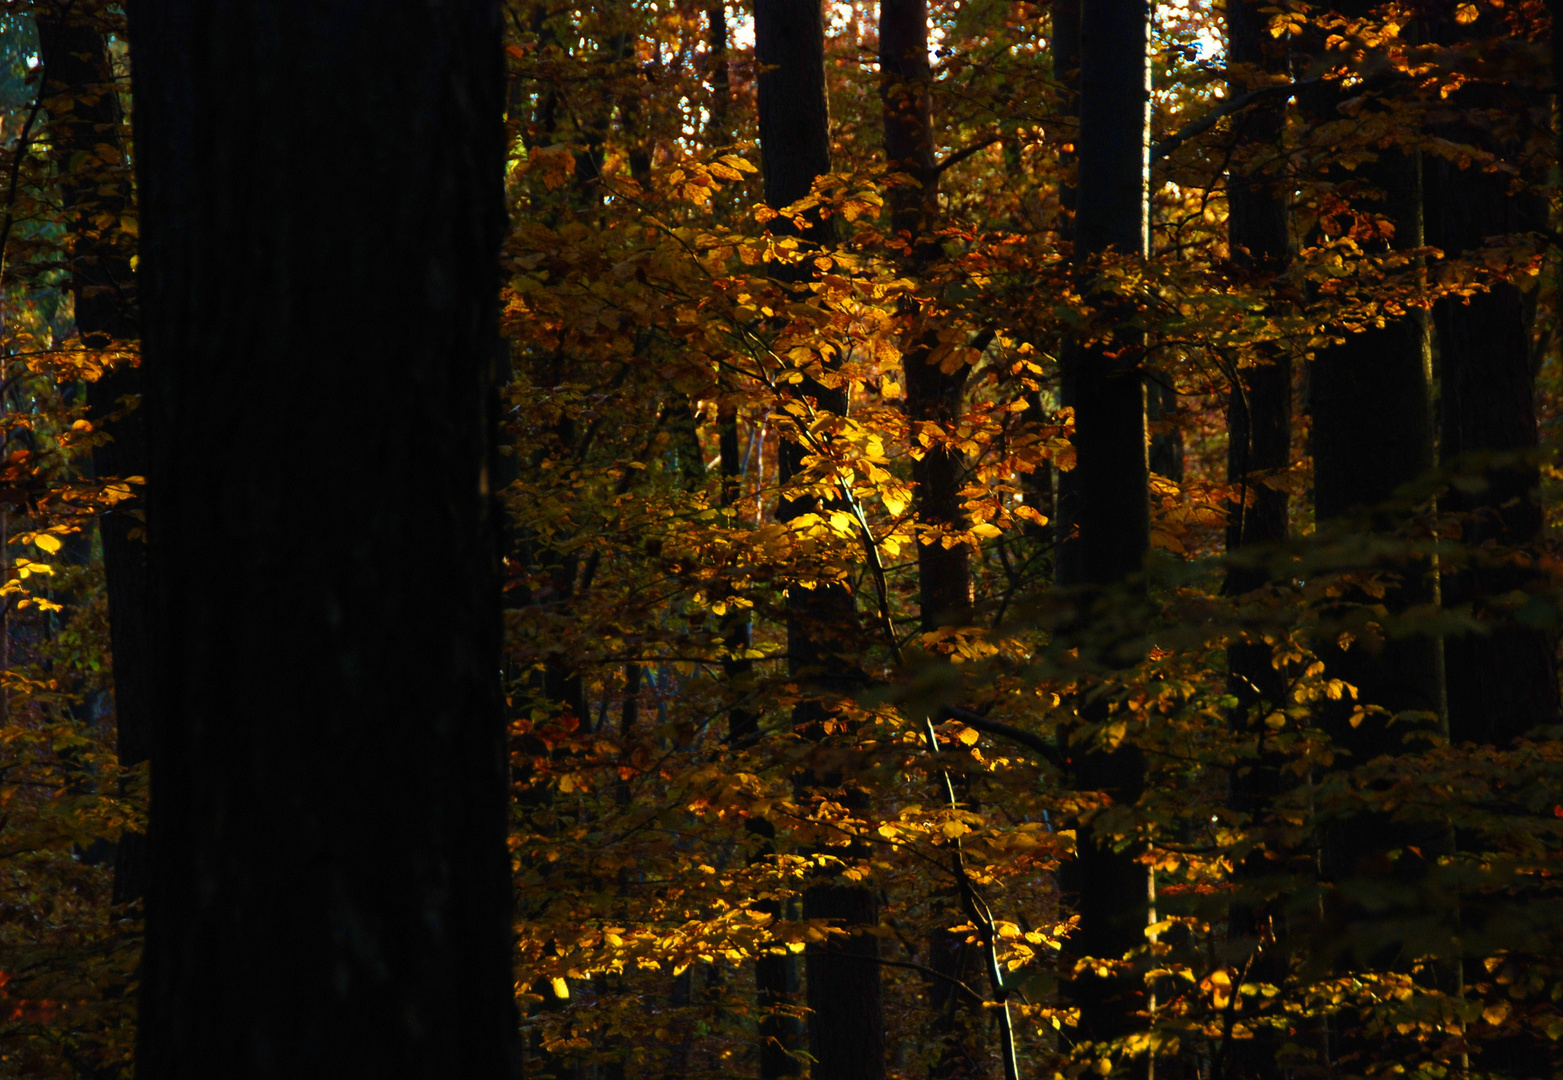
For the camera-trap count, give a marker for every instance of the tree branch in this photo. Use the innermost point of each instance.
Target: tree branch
(909, 965)
(962, 154)
(1035, 743)
(1173, 142)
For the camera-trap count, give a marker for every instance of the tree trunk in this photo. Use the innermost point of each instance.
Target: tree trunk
(1259, 425)
(1371, 402)
(933, 397)
(1503, 683)
(720, 131)
(846, 1015)
(1111, 888)
(84, 123)
(743, 722)
(1113, 215)
(789, 52)
(1066, 71)
(330, 887)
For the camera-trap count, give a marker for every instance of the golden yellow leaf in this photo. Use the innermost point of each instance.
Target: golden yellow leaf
(47, 542)
(561, 989)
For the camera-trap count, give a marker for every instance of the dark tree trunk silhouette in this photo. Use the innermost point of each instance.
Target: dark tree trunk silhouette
(934, 397)
(737, 627)
(84, 125)
(1110, 888)
(720, 129)
(1372, 431)
(1259, 425)
(1112, 216)
(1371, 405)
(330, 887)
(1066, 72)
(846, 1020)
(1259, 408)
(1502, 683)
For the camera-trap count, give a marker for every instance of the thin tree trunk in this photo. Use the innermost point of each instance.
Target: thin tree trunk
(85, 140)
(720, 130)
(1111, 888)
(330, 890)
(1259, 425)
(1161, 416)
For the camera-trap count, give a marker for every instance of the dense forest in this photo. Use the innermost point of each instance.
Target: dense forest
(938, 539)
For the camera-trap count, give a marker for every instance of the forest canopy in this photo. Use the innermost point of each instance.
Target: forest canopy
(945, 539)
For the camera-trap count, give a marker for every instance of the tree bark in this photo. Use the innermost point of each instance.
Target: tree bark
(330, 887)
(933, 396)
(1113, 215)
(1111, 888)
(84, 124)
